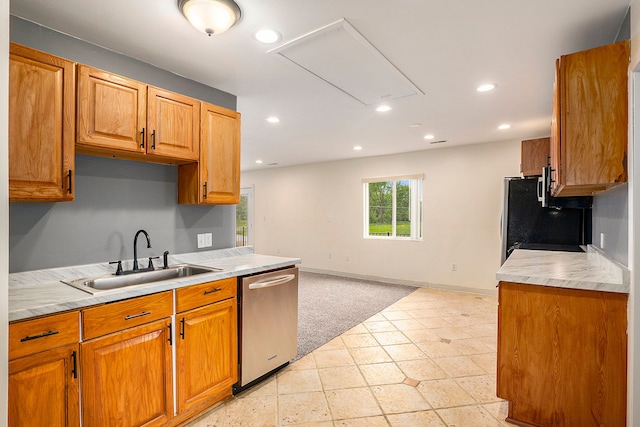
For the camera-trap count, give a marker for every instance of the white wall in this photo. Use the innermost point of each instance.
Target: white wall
(4, 205)
(312, 211)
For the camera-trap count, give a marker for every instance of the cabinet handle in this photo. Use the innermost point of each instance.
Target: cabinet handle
(142, 143)
(182, 328)
(74, 359)
(212, 291)
(153, 140)
(133, 316)
(204, 194)
(170, 330)
(42, 335)
(69, 177)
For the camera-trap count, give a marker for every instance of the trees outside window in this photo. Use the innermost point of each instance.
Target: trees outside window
(393, 207)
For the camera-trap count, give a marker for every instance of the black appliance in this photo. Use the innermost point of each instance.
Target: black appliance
(526, 224)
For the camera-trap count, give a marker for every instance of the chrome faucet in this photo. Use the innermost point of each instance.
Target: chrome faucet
(135, 248)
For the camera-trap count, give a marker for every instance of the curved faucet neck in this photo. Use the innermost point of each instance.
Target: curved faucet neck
(135, 247)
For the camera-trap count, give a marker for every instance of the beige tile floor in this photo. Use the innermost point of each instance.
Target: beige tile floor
(427, 360)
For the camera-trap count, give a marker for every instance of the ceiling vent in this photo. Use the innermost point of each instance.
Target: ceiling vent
(342, 57)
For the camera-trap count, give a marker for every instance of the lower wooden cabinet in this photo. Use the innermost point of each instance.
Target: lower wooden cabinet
(125, 365)
(206, 354)
(43, 371)
(127, 377)
(43, 389)
(562, 355)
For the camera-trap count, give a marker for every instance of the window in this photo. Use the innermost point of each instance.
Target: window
(393, 207)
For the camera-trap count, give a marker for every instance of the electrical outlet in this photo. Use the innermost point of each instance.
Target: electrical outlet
(454, 267)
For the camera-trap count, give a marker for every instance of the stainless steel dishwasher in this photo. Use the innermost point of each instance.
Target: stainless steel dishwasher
(267, 324)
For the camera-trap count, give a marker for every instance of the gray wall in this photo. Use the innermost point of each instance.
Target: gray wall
(611, 208)
(114, 198)
(611, 217)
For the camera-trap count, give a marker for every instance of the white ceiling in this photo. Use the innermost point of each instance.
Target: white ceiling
(445, 47)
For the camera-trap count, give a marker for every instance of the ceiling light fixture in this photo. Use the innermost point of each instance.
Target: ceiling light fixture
(259, 162)
(429, 136)
(267, 36)
(273, 119)
(211, 17)
(383, 109)
(504, 126)
(357, 148)
(486, 87)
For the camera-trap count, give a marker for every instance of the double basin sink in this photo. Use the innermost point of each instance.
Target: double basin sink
(98, 284)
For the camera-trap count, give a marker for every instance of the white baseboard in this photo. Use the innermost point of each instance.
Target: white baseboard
(414, 283)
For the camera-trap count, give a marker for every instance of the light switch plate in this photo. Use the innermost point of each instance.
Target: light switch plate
(208, 240)
(201, 241)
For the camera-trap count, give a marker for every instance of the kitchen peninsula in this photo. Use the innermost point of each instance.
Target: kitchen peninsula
(562, 338)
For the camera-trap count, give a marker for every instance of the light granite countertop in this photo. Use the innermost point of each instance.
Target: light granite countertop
(41, 292)
(592, 270)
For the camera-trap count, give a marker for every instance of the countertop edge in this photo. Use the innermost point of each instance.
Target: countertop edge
(591, 271)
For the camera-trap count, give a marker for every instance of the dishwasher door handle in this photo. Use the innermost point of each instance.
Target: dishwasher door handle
(272, 282)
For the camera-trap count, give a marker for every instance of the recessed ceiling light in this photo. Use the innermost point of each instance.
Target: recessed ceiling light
(259, 162)
(267, 36)
(504, 126)
(486, 87)
(383, 109)
(273, 119)
(357, 148)
(429, 136)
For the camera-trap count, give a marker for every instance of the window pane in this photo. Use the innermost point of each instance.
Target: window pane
(380, 208)
(403, 208)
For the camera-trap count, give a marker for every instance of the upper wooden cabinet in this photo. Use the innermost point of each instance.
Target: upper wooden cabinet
(41, 126)
(216, 178)
(112, 111)
(590, 121)
(124, 118)
(534, 154)
(174, 122)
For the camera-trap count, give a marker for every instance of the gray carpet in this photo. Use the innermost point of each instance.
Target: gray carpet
(330, 305)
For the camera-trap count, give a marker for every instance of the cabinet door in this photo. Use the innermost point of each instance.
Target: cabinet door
(41, 126)
(173, 122)
(593, 120)
(534, 154)
(43, 389)
(206, 354)
(112, 111)
(562, 355)
(127, 377)
(220, 158)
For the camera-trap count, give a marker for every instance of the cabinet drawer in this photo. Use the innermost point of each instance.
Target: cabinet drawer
(45, 333)
(205, 293)
(104, 319)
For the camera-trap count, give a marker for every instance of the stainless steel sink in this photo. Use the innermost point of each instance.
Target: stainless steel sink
(103, 283)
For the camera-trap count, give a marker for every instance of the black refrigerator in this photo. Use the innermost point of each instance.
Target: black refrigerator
(528, 225)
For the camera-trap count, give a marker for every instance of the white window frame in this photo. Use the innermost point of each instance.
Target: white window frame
(416, 186)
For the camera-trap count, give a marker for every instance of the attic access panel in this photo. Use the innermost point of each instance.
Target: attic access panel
(342, 57)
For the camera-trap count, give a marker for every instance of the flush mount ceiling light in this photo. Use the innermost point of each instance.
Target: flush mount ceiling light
(504, 126)
(273, 119)
(383, 109)
(211, 17)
